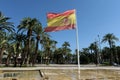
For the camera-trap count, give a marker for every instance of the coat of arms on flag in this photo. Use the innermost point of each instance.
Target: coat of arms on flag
(61, 21)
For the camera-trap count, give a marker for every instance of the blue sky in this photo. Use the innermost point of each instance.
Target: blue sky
(94, 17)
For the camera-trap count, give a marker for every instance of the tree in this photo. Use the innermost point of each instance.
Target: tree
(65, 46)
(27, 25)
(115, 54)
(58, 56)
(18, 40)
(10, 50)
(105, 54)
(84, 56)
(94, 48)
(74, 58)
(118, 53)
(47, 46)
(5, 27)
(110, 38)
(38, 32)
(66, 50)
(3, 43)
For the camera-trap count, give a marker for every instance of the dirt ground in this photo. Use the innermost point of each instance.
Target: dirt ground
(62, 74)
(82, 74)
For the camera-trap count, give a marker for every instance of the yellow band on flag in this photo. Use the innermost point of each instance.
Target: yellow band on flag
(61, 21)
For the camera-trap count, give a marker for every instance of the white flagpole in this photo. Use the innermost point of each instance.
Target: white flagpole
(77, 43)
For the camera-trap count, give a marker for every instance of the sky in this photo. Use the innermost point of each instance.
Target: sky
(94, 17)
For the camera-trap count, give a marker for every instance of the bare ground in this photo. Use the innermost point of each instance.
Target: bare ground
(61, 72)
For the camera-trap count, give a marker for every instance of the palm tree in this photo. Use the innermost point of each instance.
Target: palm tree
(66, 49)
(5, 25)
(65, 45)
(45, 44)
(116, 60)
(91, 48)
(110, 38)
(105, 54)
(84, 56)
(3, 44)
(17, 39)
(27, 24)
(53, 45)
(118, 53)
(38, 32)
(48, 47)
(94, 48)
(58, 56)
(10, 50)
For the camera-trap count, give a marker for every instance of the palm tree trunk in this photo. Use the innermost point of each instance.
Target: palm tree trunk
(8, 59)
(111, 57)
(29, 33)
(17, 54)
(116, 56)
(111, 53)
(28, 51)
(1, 55)
(36, 53)
(24, 55)
(92, 57)
(23, 59)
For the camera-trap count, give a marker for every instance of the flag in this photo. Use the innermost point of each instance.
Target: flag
(61, 21)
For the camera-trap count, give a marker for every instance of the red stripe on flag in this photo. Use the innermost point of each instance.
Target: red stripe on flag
(58, 28)
(54, 15)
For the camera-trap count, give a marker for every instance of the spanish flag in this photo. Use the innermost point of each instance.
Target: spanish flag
(61, 21)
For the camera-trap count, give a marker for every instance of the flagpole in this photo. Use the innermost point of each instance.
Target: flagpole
(77, 43)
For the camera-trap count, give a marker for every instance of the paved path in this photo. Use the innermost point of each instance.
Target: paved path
(55, 66)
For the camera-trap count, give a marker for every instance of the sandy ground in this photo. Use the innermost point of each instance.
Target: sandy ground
(61, 72)
(88, 74)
